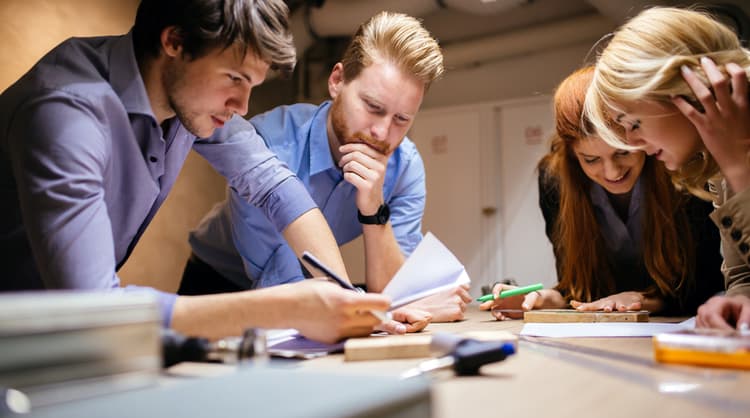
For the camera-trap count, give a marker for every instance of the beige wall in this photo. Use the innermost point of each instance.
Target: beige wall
(29, 29)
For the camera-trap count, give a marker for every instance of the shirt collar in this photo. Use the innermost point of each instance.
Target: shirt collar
(125, 77)
(320, 151)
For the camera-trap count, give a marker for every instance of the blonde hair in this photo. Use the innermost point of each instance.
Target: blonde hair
(584, 269)
(396, 38)
(642, 62)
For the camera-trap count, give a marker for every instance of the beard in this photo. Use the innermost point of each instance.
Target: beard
(344, 134)
(174, 87)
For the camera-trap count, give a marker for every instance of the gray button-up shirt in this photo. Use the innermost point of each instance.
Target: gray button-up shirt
(84, 167)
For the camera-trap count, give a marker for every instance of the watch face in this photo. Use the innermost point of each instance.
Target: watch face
(384, 213)
(380, 217)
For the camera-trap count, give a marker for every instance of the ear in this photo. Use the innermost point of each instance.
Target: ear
(336, 80)
(171, 41)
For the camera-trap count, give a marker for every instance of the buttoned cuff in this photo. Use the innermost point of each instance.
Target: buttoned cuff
(733, 220)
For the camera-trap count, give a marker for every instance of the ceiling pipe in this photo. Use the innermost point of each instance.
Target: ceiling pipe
(552, 35)
(619, 11)
(483, 7)
(343, 17)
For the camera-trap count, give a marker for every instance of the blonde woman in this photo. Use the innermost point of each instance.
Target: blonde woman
(676, 81)
(623, 237)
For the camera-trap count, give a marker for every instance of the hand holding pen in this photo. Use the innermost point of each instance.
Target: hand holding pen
(509, 302)
(395, 321)
(382, 316)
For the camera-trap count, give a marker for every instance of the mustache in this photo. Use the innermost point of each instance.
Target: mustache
(381, 147)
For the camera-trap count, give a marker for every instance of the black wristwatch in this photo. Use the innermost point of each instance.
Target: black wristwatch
(380, 217)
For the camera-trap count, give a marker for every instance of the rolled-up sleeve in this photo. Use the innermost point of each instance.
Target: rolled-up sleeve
(239, 154)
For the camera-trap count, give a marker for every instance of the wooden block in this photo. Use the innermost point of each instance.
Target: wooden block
(387, 347)
(572, 315)
(408, 346)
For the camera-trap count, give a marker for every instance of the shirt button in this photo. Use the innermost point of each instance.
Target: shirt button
(726, 221)
(736, 234)
(744, 248)
(153, 159)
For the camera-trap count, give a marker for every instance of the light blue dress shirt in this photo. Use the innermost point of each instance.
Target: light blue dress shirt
(239, 242)
(84, 167)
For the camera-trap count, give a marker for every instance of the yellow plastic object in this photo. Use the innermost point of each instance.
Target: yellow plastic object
(704, 347)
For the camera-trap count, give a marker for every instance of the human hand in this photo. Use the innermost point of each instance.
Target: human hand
(724, 312)
(364, 167)
(620, 302)
(325, 312)
(406, 320)
(446, 306)
(724, 125)
(513, 307)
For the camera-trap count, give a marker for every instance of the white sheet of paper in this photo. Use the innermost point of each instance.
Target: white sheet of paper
(602, 329)
(430, 269)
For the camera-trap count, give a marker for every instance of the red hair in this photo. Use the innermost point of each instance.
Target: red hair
(583, 268)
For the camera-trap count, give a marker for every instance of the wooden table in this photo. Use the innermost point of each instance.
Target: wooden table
(572, 377)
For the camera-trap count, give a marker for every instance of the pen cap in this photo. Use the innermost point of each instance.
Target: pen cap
(470, 355)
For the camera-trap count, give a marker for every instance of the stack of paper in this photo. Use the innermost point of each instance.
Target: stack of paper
(430, 269)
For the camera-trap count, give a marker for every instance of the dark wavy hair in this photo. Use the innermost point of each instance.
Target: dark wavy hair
(585, 275)
(257, 26)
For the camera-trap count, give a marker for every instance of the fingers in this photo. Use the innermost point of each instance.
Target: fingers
(463, 293)
(363, 149)
(605, 305)
(715, 313)
(486, 306)
(413, 320)
(355, 172)
(392, 327)
(704, 95)
(368, 301)
(498, 288)
(366, 157)
(719, 83)
(620, 302)
(743, 320)
(687, 109)
(530, 300)
(739, 84)
(501, 314)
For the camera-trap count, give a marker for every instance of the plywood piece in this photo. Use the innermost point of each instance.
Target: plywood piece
(409, 346)
(571, 315)
(387, 347)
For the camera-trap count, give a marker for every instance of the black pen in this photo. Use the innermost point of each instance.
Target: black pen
(382, 316)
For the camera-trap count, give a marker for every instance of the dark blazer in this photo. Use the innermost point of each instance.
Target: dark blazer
(703, 282)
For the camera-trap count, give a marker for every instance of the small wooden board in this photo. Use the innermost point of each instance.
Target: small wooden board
(408, 346)
(572, 315)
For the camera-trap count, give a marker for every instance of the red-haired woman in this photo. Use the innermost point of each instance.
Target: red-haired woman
(623, 237)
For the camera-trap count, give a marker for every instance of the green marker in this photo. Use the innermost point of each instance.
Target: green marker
(513, 292)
